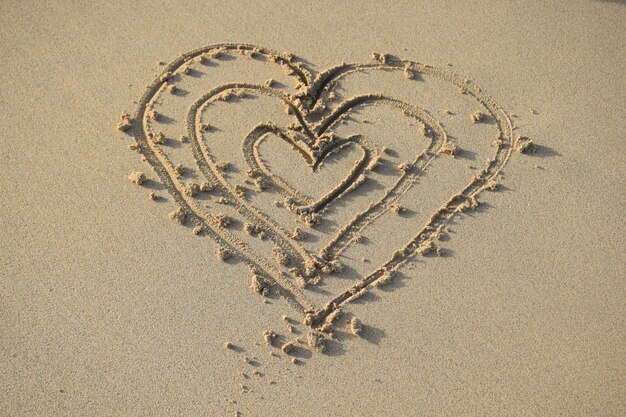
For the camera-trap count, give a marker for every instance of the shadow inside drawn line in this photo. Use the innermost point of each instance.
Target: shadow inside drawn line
(165, 119)
(372, 334)
(334, 348)
(542, 151)
(153, 185)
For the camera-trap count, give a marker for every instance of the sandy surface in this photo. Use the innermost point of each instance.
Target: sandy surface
(109, 308)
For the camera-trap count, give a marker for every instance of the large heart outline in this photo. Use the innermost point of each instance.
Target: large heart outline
(303, 103)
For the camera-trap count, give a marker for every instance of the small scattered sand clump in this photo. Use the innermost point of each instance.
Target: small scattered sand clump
(223, 254)
(153, 115)
(300, 281)
(424, 130)
(179, 169)
(333, 316)
(332, 267)
(382, 58)
(404, 167)
(241, 93)
(471, 203)
(224, 96)
(428, 247)
(318, 108)
(358, 238)
(281, 257)
(191, 189)
(178, 216)
(158, 138)
(253, 173)
(497, 142)
(269, 336)
(297, 234)
(308, 319)
(251, 228)
(310, 267)
(222, 166)
(316, 341)
(491, 185)
(477, 117)
(449, 148)
(206, 186)
(326, 328)
(396, 208)
(126, 123)
(186, 69)
(137, 177)
(261, 184)
(165, 77)
(311, 219)
(198, 230)
(355, 326)
(216, 53)
(222, 220)
(240, 190)
(229, 346)
(336, 266)
(356, 294)
(258, 285)
(384, 279)
(524, 144)
(154, 196)
(409, 73)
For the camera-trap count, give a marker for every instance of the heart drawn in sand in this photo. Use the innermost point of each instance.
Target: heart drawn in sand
(316, 115)
(313, 156)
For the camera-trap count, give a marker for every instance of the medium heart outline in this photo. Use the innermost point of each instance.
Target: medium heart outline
(209, 166)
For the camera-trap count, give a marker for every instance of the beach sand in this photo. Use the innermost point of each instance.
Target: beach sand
(315, 209)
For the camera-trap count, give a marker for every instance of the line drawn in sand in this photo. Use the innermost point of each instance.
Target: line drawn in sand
(296, 269)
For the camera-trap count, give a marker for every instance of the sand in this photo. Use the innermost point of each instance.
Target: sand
(285, 209)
